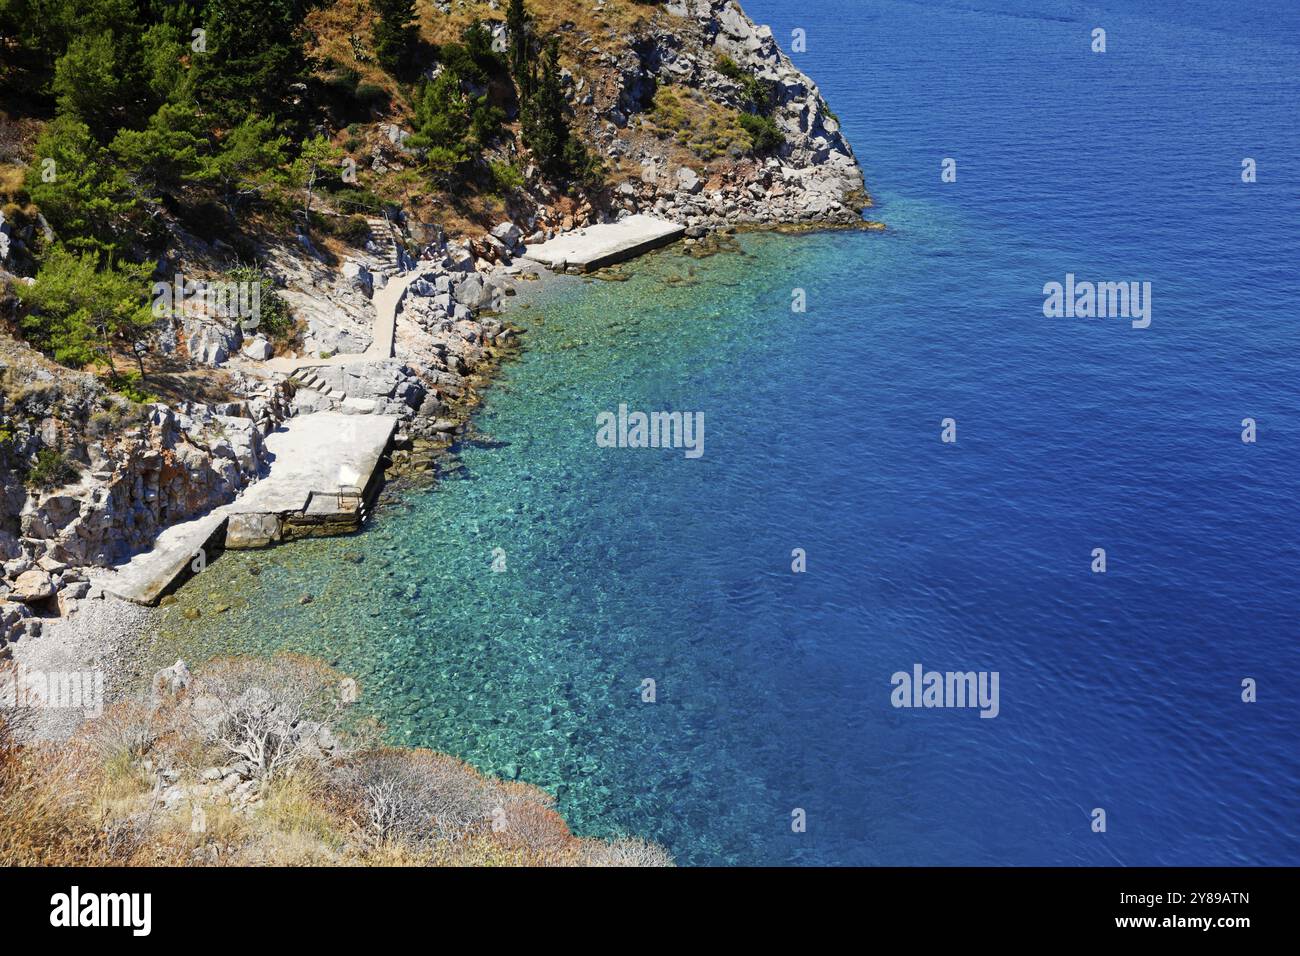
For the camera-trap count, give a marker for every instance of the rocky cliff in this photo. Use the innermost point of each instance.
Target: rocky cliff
(657, 91)
(711, 49)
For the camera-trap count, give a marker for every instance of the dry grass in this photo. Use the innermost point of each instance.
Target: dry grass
(97, 801)
(707, 129)
(12, 184)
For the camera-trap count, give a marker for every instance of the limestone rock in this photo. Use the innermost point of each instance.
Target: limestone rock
(32, 585)
(359, 277)
(171, 681)
(258, 349)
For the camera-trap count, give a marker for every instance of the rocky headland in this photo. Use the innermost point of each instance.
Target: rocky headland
(408, 321)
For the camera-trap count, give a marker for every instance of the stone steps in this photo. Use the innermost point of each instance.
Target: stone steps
(381, 233)
(306, 378)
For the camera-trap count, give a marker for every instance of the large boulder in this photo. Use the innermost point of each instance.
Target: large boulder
(238, 439)
(258, 349)
(459, 259)
(14, 618)
(472, 292)
(358, 277)
(509, 234)
(32, 585)
(210, 343)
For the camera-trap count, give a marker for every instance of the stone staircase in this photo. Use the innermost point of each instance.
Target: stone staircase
(388, 254)
(307, 378)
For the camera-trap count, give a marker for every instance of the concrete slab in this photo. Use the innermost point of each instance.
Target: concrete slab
(317, 453)
(596, 246)
(180, 551)
(312, 456)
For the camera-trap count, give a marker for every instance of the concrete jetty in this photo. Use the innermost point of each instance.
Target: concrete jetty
(177, 554)
(602, 245)
(325, 469)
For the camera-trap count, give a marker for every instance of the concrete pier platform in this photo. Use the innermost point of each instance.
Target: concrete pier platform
(596, 246)
(178, 553)
(324, 470)
(313, 458)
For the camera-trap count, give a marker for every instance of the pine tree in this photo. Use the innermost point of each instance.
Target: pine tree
(254, 56)
(77, 311)
(518, 27)
(318, 154)
(544, 127)
(394, 33)
(80, 190)
(250, 148)
(165, 154)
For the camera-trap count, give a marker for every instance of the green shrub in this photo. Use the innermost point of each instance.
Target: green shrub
(344, 82)
(371, 96)
(354, 230)
(729, 68)
(706, 128)
(129, 385)
(353, 199)
(52, 470)
(115, 417)
(275, 322)
(758, 93)
(764, 135)
(505, 177)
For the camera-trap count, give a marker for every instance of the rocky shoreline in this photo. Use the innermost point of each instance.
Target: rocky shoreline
(410, 323)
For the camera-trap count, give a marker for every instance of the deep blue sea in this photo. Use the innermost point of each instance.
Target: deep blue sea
(1120, 691)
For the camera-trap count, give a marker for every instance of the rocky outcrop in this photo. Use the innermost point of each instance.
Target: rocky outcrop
(179, 465)
(131, 472)
(210, 341)
(332, 306)
(143, 470)
(814, 178)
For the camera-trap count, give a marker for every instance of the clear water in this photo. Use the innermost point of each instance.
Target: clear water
(1118, 691)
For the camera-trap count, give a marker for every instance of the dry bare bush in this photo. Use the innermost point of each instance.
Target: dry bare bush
(626, 852)
(414, 797)
(525, 819)
(273, 714)
(127, 730)
(95, 800)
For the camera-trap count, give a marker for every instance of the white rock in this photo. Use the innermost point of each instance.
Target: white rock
(508, 233)
(259, 349)
(32, 585)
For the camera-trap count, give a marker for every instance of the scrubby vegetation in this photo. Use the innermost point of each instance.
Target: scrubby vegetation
(236, 120)
(274, 320)
(764, 135)
(707, 129)
(259, 762)
(757, 94)
(51, 470)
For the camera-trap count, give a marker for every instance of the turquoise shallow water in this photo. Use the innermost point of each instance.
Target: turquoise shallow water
(537, 671)
(822, 432)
